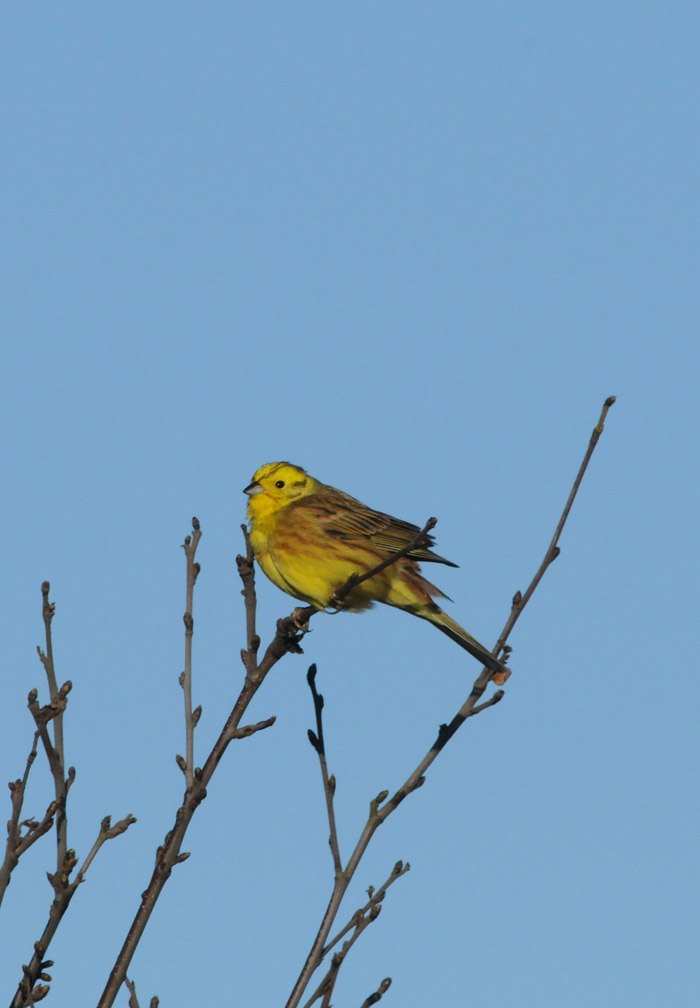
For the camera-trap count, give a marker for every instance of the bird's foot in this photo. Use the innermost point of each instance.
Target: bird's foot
(300, 620)
(335, 602)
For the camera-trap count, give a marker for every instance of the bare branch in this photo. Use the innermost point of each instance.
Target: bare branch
(29, 991)
(107, 832)
(247, 730)
(133, 999)
(169, 854)
(378, 815)
(318, 743)
(190, 548)
(57, 760)
(246, 570)
(378, 994)
(521, 600)
(376, 896)
(290, 631)
(16, 843)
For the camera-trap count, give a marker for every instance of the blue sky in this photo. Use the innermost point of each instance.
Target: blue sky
(411, 248)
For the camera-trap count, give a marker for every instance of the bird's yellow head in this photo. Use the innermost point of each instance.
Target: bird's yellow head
(275, 485)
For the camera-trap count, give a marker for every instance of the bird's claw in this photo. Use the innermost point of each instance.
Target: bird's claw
(335, 604)
(300, 620)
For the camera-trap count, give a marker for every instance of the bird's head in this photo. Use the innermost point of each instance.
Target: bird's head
(275, 485)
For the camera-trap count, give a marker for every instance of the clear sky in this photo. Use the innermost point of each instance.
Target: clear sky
(411, 247)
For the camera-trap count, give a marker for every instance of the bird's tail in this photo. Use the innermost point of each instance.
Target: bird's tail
(458, 634)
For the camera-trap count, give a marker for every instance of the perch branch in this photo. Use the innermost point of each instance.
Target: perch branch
(416, 779)
(170, 853)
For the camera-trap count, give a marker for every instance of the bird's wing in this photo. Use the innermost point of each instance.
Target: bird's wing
(343, 517)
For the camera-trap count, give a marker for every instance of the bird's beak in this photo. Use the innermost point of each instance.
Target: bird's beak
(253, 488)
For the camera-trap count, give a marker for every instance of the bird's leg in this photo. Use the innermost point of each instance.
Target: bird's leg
(336, 603)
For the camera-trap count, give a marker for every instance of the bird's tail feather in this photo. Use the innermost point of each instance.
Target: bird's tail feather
(458, 634)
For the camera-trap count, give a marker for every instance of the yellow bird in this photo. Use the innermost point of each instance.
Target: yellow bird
(309, 538)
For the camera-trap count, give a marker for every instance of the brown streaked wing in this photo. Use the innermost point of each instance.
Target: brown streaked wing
(342, 516)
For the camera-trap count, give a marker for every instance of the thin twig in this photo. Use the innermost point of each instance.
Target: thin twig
(317, 741)
(521, 600)
(16, 843)
(246, 569)
(376, 896)
(57, 759)
(29, 991)
(170, 853)
(359, 924)
(378, 994)
(190, 548)
(107, 832)
(131, 987)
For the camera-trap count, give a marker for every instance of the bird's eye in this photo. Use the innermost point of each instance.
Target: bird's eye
(279, 484)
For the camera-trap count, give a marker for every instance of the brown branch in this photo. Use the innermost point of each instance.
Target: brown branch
(378, 994)
(357, 924)
(133, 999)
(327, 985)
(56, 756)
(376, 896)
(107, 832)
(416, 779)
(29, 990)
(170, 853)
(521, 600)
(246, 570)
(317, 741)
(193, 568)
(64, 889)
(290, 631)
(17, 843)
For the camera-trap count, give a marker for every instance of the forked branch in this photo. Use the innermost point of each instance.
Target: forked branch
(29, 990)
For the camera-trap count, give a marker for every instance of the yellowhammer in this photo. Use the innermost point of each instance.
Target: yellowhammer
(309, 538)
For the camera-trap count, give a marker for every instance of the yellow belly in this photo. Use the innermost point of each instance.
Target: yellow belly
(311, 572)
